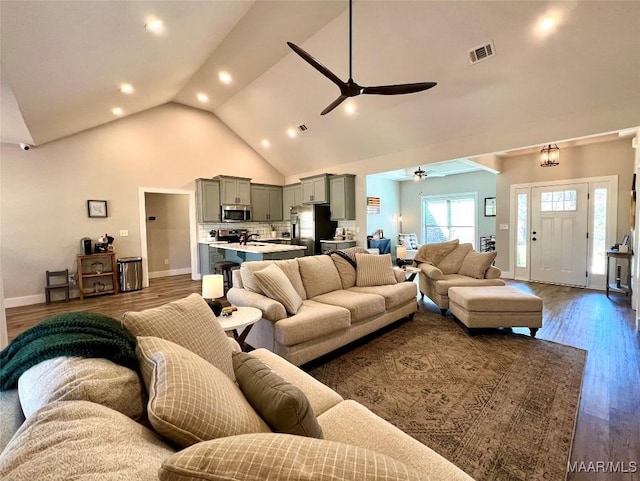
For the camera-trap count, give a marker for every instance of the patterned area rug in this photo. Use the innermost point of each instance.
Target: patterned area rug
(501, 406)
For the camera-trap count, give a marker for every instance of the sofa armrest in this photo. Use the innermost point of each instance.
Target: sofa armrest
(493, 273)
(432, 272)
(271, 310)
(321, 397)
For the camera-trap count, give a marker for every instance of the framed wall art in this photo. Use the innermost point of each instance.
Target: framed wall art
(97, 208)
(489, 206)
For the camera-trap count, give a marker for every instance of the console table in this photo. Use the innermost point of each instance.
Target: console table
(619, 285)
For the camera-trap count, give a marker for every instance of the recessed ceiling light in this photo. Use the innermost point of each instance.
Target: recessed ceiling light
(126, 89)
(155, 26)
(202, 97)
(548, 23)
(292, 133)
(350, 108)
(225, 77)
(117, 111)
(266, 143)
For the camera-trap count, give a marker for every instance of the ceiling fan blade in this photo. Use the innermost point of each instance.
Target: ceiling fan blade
(398, 89)
(334, 104)
(317, 65)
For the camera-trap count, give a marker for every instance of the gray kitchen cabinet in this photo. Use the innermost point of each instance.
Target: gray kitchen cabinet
(315, 189)
(234, 190)
(208, 200)
(207, 257)
(291, 196)
(342, 191)
(266, 202)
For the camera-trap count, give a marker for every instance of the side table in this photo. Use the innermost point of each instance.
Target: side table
(244, 317)
(619, 286)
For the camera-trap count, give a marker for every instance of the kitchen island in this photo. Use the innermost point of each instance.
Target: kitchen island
(212, 252)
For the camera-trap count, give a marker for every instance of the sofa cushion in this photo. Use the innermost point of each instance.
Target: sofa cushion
(189, 399)
(452, 262)
(12, 416)
(454, 280)
(313, 320)
(87, 379)
(188, 322)
(82, 440)
(433, 253)
(258, 457)
(346, 271)
(275, 284)
(282, 405)
(288, 266)
(394, 296)
(319, 275)
(361, 306)
(475, 264)
(374, 270)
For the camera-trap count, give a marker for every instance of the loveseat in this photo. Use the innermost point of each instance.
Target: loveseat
(451, 264)
(198, 410)
(338, 298)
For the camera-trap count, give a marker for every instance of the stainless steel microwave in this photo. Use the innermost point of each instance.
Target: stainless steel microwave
(235, 213)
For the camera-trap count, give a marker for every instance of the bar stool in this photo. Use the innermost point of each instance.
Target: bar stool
(59, 285)
(225, 268)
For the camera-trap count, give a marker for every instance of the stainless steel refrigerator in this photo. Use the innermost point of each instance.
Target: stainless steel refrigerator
(309, 225)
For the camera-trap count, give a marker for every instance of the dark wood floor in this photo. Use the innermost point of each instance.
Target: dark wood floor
(608, 426)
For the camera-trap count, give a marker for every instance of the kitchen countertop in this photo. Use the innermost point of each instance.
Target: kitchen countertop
(260, 247)
(333, 241)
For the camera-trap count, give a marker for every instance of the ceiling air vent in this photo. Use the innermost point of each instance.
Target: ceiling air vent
(481, 53)
(302, 127)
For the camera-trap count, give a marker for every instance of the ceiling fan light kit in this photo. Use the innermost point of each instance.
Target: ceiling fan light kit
(419, 175)
(350, 88)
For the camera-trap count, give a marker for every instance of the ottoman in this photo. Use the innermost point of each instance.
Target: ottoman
(496, 306)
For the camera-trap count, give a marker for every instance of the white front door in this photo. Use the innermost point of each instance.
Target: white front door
(559, 224)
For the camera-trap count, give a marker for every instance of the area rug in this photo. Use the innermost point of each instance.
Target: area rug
(499, 405)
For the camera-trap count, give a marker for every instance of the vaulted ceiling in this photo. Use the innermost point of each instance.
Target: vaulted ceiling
(63, 63)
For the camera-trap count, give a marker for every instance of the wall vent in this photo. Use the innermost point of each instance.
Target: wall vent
(482, 52)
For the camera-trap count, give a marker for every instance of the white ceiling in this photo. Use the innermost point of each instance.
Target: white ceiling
(62, 63)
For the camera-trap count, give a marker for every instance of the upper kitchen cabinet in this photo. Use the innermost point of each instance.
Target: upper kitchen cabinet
(315, 190)
(266, 202)
(343, 197)
(208, 200)
(291, 196)
(234, 190)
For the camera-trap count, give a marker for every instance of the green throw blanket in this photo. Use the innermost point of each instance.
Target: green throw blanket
(74, 334)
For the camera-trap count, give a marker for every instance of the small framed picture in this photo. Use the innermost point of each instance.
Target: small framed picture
(489, 206)
(97, 208)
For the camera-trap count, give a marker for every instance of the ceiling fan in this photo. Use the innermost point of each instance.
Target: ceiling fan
(420, 174)
(350, 88)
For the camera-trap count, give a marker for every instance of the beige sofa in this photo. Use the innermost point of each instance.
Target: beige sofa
(337, 307)
(186, 417)
(451, 264)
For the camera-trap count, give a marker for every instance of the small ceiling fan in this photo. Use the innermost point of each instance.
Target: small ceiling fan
(350, 88)
(420, 174)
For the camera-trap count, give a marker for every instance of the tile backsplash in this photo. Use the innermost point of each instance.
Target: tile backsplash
(263, 228)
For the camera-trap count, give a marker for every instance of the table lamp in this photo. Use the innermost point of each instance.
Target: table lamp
(212, 289)
(401, 255)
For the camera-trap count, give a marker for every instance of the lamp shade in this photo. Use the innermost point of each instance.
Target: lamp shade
(401, 252)
(212, 286)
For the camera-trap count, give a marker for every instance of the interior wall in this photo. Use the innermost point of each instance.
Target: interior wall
(411, 193)
(48, 186)
(168, 247)
(389, 193)
(592, 160)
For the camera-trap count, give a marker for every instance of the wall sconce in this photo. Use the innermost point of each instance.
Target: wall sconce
(550, 156)
(212, 289)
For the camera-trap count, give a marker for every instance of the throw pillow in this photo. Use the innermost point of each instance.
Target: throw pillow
(319, 275)
(256, 457)
(189, 399)
(453, 261)
(345, 269)
(475, 264)
(81, 440)
(188, 322)
(275, 284)
(288, 266)
(282, 405)
(435, 252)
(86, 379)
(374, 270)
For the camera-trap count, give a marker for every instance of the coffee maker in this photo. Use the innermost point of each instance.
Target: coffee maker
(85, 246)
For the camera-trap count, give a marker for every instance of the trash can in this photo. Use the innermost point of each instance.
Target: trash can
(130, 273)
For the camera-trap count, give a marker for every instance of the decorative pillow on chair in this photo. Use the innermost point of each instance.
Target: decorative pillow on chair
(374, 270)
(282, 405)
(475, 264)
(452, 263)
(435, 252)
(274, 284)
(191, 400)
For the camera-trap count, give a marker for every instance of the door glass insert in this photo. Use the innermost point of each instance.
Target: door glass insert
(599, 231)
(558, 201)
(521, 240)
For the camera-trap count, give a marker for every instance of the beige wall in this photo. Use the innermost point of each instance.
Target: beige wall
(168, 233)
(44, 191)
(593, 160)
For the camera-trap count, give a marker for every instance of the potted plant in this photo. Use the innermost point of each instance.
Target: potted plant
(274, 234)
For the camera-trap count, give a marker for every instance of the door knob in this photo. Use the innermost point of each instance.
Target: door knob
(533, 239)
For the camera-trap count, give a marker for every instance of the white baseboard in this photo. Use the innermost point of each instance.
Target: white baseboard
(171, 272)
(24, 301)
